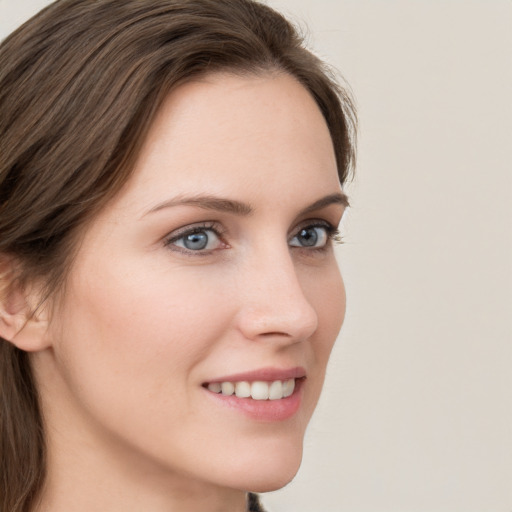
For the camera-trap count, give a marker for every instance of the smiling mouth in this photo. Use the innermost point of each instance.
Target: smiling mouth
(257, 390)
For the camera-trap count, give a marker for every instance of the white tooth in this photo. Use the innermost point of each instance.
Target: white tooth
(228, 388)
(288, 387)
(275, 391)
(259, 390)
(243, 389)
(215, 387)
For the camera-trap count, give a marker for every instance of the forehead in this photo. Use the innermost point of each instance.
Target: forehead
(228, 133)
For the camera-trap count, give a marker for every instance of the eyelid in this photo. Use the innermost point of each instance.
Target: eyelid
(178, 234)
(314, 223)
(332, 232)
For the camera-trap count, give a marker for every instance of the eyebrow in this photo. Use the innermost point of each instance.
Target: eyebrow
(219, 204)
(207, 202)
(337, 198)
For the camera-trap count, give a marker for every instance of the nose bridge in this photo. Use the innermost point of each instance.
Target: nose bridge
(274, 302)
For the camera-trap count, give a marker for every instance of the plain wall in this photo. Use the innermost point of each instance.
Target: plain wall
(417, 410)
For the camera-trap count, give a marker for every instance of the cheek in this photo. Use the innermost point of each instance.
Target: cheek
(128, 339)
(326, 294)
(329, 300)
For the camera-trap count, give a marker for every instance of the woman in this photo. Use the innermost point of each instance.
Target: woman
(171, 177)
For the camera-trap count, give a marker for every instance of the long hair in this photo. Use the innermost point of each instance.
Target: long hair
(80, 84)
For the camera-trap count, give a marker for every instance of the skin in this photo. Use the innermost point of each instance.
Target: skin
(144, 322)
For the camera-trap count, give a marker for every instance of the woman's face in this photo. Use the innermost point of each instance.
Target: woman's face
(213, 268)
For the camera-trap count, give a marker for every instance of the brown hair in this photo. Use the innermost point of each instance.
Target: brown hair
(80, 84)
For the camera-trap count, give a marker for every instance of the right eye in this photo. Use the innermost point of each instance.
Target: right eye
(196, 239)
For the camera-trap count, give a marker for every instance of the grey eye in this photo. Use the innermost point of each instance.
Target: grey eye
(195, 241)
(311, 236)
(204, 239)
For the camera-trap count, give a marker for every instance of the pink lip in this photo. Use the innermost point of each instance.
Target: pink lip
(263, 374)
(263, 410)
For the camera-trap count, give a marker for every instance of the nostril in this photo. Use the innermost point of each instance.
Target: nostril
(271, 334)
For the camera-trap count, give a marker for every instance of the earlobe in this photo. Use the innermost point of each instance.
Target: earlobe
(26, 334)
(21, 322)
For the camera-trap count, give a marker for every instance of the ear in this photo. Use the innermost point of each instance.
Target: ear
(22, 322)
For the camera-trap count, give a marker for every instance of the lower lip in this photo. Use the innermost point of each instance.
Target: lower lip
(263, 410)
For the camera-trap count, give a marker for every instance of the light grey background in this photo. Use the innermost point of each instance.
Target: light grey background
(417, 410)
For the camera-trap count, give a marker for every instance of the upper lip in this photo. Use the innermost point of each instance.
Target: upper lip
(263, 374)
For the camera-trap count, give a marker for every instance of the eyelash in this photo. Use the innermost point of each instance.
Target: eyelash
(332, 233)
(191, 230)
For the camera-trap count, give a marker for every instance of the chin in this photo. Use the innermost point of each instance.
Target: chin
(270, 483)
(269, 470)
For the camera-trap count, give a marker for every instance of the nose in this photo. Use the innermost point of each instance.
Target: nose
(274, 304)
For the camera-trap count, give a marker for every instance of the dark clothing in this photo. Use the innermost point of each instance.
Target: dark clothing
(253, 503)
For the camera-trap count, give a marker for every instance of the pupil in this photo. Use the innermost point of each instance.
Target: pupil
(196, 241)
(309, 237)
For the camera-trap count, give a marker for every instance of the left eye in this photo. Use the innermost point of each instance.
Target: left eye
(198, 240)
(311, 236)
